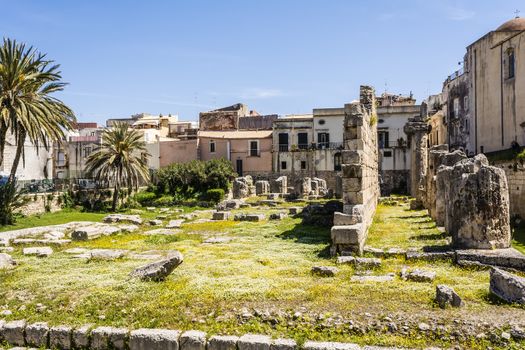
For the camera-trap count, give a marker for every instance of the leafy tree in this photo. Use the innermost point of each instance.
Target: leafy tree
(27, 109)
(121, 160)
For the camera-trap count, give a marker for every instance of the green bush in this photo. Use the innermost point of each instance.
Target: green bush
(164, 201)
(214, 195)
(145, 198)
(10, 199)
(188, 180)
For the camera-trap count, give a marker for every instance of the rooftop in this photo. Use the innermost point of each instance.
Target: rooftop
(515, 24)
(236, 134)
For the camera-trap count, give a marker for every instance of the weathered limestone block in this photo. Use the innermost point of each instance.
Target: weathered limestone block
(224, 342)
(359, 262)
(294, 210)
(193, 340)
(13, 332)
(81, 337)
(154, 339)
(322, 188)
(507, 286)
(6, 261)
(240, 189)
(509, 257)
(437, 209)
(221, 215)
(283, 344)
(277, 216)
(60, 337)
(262, 187)
(314, 345)
(445, 295)
(341, 219)
(328, 271)
(175, 223)
(155, 222)
(254, 342)
(159, 270)
(279, 185)
(103, 338)
(417, 130)
(37, 334)
(477, 211)
(94, 231)
(314, 184)
(349, 237)
(418, 275)
(132, 219)
(249, 217)
(41, 252)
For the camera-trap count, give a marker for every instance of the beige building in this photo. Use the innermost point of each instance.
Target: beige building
(495, 70)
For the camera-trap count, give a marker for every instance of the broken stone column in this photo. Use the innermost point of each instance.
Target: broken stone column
(438, 193)
(303, 187)
(262, 187)
(360, 179)
(477, 204)
(417, 131)
(279, 185)
(243, 187)
(322, 188)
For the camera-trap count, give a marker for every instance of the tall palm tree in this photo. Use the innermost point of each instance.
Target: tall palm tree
(27, 109)
(120, 159)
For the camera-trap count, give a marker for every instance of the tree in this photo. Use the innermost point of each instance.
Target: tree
(27, 109)
(120, 159)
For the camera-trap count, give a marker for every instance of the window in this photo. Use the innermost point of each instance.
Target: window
(338, 159)
(456, 108)
(283, 165)
(87, 152)
(383, 139)
(254, 148)
(212, 146)
(283, 142)
(481, 149)
(387, 154)
(510, 63)
(61, 159)
(465, 103)
(303, 165)
(323, 140)
(321, 122)
(302, 140)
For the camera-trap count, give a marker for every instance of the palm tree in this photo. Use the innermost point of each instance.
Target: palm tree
(27, 109)
(120, 159)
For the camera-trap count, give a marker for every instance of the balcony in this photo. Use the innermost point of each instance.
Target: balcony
(311, 147)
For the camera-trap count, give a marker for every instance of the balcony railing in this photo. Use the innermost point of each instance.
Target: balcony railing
(312, 147)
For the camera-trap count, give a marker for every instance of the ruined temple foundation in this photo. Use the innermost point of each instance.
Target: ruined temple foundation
(360, 180)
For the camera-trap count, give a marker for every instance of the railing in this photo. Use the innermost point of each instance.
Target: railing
(254, 153)
(313, 147)
(456, 74)
(329, 145)
(283, 148)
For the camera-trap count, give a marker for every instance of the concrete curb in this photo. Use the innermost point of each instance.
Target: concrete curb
(19, 333)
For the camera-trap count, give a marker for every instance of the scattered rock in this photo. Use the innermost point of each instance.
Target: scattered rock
(418, 275)
(423, 326)
(383, 278)
(507, 286)
(277, 216)
(249, 217)
(155, 222)
(37, 334)
(175, 223)
(128, 228)
(221, 215)
(445, 295)
(132, 219)
(158, 271)
(41, 252)
(429, 256)
(93, 231)
(217, 240)
(162, 231)
(328, 271)
(294, 210)
(6, 261)
(359, 262)
(517, 333)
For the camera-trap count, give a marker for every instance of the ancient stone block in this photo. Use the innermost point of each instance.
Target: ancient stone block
(313, 345)
(507, 286)
(262, 187)
(249, 217)
(193, 340)
(226, 342)
(221, 215)
(254, 342)
(277, 216)
(328, 271)
(154, 339)
(359, 262)
(445, 295)
(13, 332)
(37, 334)
(132, 219)
(279, 185)
(38, 251)
(60, 337)
(6, 261)
(81, 337)
(477, 212)
(109, 337)
(283, 344)
(159, 270)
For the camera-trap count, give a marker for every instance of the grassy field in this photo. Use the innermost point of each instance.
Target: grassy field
(264, 270)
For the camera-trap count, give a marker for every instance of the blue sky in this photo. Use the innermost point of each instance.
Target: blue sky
(277, 56)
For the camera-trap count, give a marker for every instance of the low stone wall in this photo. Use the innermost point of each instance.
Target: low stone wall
(20, 333)
(360, 175)
(37, 203)
(515, 172)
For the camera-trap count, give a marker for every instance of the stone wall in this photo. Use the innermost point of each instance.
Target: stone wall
(37, 203)
(41, 335)
(515, 172)
(360, 175)
(395, 182)
(329, 176)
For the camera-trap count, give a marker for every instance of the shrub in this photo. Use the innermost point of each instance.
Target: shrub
(214, 195)
(164, 201)
(10, 199)
(145, 198)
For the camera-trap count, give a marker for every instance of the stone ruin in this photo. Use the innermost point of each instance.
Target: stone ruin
(307, 187)
(477, 204)
(262, 187)
(279, 185)
(243, 187)
(360, 181)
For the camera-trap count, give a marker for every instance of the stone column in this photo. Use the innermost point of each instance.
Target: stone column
(417, 131)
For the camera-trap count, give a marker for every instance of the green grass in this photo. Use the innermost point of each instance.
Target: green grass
(61, 217)
(266, 266)
(518, 238)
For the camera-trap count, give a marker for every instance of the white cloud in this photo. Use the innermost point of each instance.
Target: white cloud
(459, 14)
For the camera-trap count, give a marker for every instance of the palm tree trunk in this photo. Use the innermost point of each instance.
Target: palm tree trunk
(19, 149)
(3, 135)
(116, 190)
